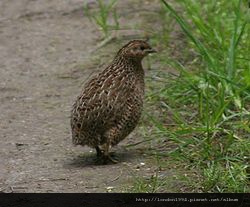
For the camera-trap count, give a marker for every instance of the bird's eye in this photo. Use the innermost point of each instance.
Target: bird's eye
(142, 48)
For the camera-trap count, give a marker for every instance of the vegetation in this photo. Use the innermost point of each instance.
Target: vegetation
(199, 115)
(102, 15)
(209, 100)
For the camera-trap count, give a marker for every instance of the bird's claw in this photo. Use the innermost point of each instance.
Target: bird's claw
(102, 159)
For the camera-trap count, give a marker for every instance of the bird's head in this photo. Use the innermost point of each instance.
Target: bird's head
(136, 49)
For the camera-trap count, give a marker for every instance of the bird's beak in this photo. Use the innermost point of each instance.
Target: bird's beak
(151, 50)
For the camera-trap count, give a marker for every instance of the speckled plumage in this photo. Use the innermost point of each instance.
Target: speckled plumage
(110, 105)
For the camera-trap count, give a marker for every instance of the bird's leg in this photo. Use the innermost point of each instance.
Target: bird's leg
(106, 155)
(99, 152)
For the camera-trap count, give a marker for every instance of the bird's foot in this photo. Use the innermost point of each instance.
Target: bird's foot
(111, 158)
(104, 160)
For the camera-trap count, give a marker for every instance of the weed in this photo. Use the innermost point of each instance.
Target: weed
(101, 16)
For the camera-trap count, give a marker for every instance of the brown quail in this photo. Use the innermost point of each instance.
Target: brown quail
(109, 107)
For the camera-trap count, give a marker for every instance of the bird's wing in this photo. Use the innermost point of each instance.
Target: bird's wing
(104, 96)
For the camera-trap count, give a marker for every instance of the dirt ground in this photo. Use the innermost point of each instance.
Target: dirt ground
(44, 53)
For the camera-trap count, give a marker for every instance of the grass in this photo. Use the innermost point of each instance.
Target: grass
(103, 15)
(205, 110)
(198, 116)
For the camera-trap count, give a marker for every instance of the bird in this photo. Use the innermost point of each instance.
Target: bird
(111, 102)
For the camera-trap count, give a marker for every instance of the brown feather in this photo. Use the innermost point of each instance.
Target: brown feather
(110, 105)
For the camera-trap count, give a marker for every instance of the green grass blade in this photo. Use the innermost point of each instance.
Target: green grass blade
(188, 32)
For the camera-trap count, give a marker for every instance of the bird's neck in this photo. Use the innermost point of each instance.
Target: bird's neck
(129, 62)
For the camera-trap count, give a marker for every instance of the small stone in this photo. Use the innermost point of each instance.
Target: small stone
(110, 188)
(142, 163)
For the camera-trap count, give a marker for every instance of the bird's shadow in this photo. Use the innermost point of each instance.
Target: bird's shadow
(90, 159)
